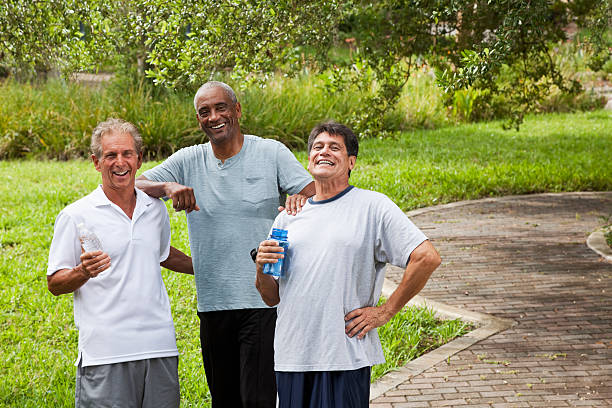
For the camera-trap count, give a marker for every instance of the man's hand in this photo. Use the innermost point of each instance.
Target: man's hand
(182, 197)
(294, 204)
(92, 263)
(361, 321)
(268, 252)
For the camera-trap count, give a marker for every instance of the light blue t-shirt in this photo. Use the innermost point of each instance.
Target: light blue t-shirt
(238, 202)
(338, 249)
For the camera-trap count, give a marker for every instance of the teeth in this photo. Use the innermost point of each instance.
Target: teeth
(121, 174)
(326, 162)
(219, 126)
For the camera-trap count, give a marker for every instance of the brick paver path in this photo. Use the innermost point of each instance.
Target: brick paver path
(522, 258)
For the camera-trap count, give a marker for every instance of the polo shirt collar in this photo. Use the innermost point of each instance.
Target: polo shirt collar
(100, 199)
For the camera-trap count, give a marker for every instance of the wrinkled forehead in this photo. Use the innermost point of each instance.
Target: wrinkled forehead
(329, 138)
(114, 139)
(211, 96)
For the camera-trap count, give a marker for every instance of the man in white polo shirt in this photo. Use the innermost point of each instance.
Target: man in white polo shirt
(127, 349)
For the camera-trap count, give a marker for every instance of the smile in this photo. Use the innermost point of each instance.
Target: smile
(116, 173)
(219, 126)
(325, 162)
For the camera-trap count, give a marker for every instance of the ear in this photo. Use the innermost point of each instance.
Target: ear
(139, 161)
(96, 162)
(238, 110)
(351, 162)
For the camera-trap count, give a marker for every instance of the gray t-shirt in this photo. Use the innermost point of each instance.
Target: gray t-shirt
(238, 202)
(336, 259)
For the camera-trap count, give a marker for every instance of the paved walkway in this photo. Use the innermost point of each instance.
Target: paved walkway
(522, 258)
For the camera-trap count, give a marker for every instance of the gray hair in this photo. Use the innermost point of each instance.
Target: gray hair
(114, 125)
(215, 84)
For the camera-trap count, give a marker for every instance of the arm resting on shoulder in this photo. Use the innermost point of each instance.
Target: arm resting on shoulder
(309, 190)
(183, 197)
(424, 259)
(294, 203)
(178, 261)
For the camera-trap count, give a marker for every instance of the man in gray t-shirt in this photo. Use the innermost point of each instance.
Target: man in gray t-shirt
(339, 244)
(231, 189)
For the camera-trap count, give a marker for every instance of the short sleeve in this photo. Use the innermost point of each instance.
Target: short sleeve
(165, 236)
(171, 169)
(292, 176)
(397, 236)
(65, 250)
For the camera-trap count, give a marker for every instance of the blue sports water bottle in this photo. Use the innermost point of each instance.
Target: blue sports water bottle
(276, 269)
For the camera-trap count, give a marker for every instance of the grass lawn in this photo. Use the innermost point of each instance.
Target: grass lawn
(567, 152)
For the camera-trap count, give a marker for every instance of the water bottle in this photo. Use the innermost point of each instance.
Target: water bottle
(89, 240)
(276, 269)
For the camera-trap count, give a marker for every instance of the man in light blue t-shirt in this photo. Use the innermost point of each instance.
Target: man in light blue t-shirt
(326, 340)
(231, 189)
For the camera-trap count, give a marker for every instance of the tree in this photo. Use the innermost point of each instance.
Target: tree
(181, 43)
(471, 43)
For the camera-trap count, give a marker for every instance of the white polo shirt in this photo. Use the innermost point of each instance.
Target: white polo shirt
(124, 313)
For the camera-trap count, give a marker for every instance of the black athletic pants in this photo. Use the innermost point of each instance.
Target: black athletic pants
(238, 353)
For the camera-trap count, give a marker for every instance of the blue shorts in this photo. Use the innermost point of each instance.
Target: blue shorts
(324, 389)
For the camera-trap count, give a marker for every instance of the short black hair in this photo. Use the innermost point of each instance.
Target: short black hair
(334, 128)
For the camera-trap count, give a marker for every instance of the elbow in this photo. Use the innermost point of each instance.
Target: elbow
(53, 287)
(268, 299)
(436, 260)
(54, 291)
(433, 260)
(269, 302)
(430, 261)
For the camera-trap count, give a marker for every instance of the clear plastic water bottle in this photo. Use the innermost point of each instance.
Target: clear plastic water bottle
(276, 269)
(89, 240)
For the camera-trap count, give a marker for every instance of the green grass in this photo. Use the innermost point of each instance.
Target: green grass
(413, 332)
(551, 153)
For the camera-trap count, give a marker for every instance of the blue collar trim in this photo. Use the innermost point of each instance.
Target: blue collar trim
(337, 196)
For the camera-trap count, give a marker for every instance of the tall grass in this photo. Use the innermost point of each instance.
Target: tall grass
(55, 119)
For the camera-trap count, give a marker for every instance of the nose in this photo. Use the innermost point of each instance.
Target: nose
(213, 115)
(120, 159)
(324, 150)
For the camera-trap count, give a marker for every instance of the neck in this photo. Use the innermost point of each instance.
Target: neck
(124, 198)
(228, 148)
(326, 189)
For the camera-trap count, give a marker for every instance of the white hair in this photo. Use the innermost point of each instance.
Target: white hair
(215, 84)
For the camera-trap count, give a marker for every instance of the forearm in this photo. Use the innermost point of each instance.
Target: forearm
(423, 261)
(67, 280)
(309, 190)
(178, 261)
(267, 287)
(155, 189)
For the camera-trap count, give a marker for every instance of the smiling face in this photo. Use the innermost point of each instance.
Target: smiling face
(218, 115)
(118, 162)
(329, 160)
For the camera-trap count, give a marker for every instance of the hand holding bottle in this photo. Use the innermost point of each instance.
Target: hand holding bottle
(94, 262)
(93, 259)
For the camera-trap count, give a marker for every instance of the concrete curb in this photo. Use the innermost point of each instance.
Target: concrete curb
(597, 242)
(438, 207)
(487, 326)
